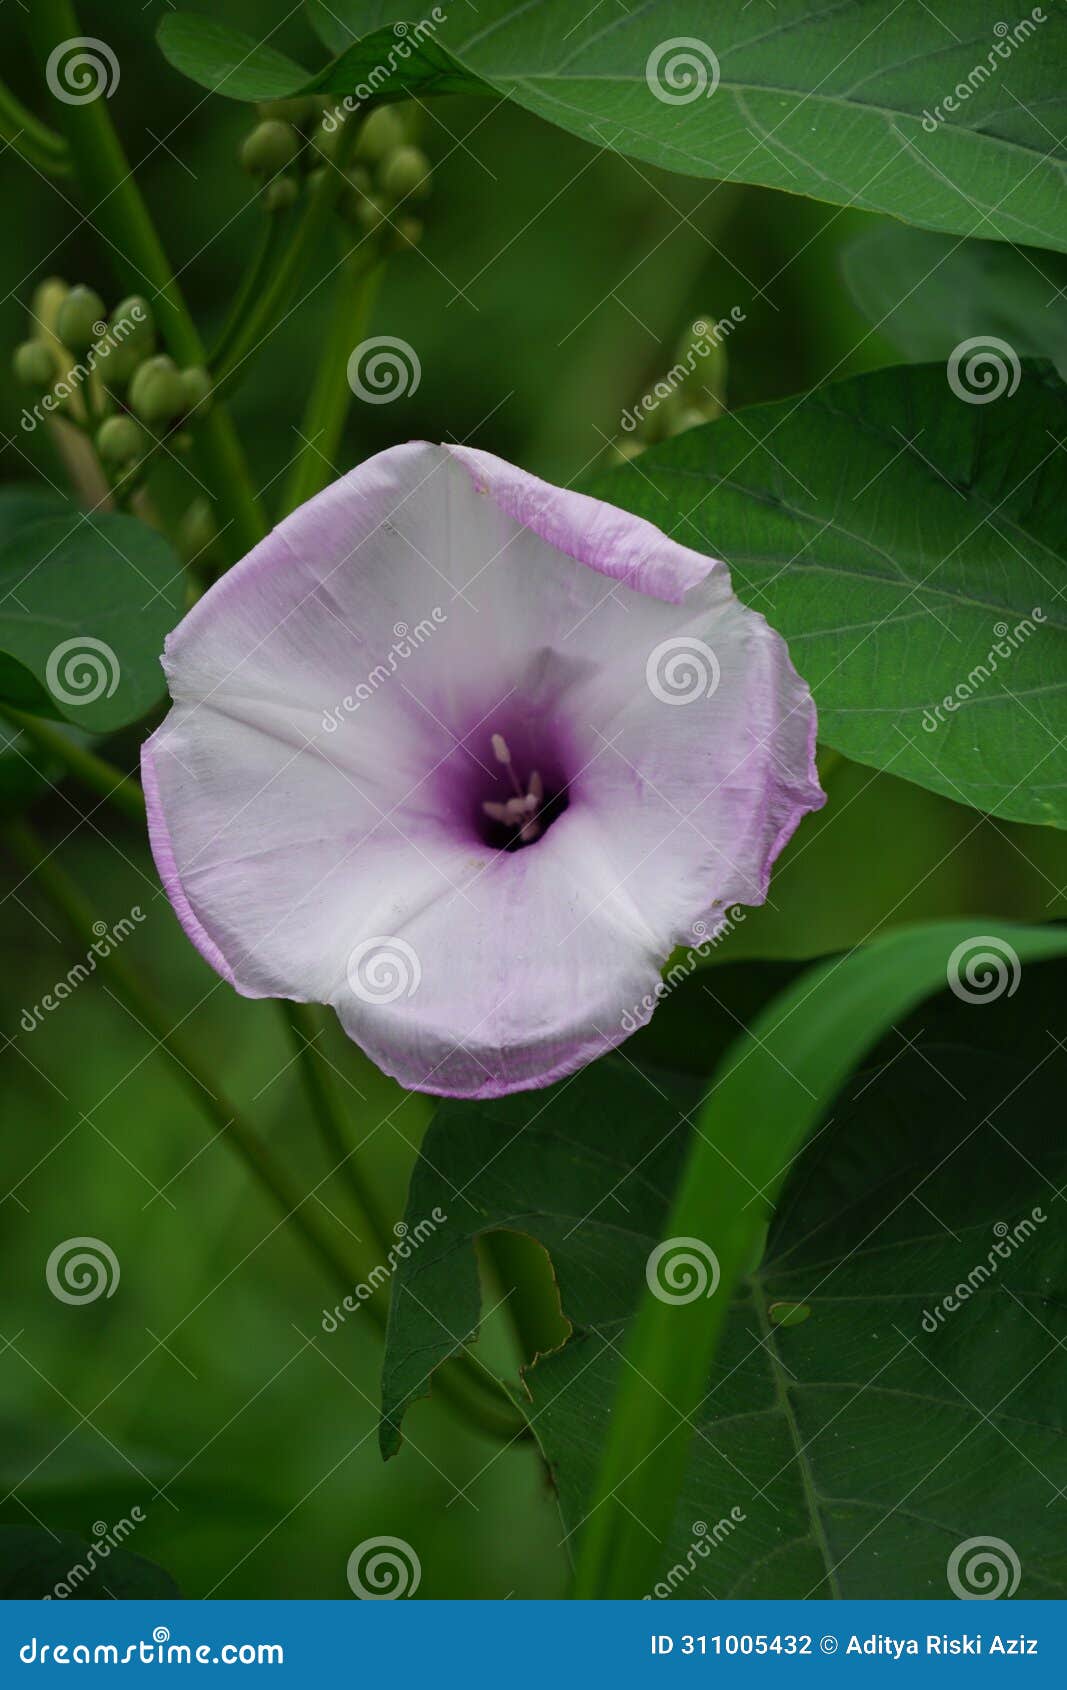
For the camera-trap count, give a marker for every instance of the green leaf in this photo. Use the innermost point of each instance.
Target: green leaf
(386, 64)
(927, 293)
(775, 1087)
(85, 605)
(838, 102)
(854, 1253)
(227, 60)
(34, 1563)
(901, 538)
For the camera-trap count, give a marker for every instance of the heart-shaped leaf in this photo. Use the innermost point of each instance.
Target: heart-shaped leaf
(85, 605)
(906, 532)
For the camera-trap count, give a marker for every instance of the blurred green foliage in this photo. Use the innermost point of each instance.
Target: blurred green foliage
(550, 290)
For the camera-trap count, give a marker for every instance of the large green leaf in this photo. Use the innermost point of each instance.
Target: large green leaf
(385, 64)
(35, 1563)
(844, 1432)
(901, 538)
(85, 605)
(776, 1086)
(927, 293)
(839, 102)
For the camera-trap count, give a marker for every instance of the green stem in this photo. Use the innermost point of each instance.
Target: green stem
(331, 395)
(491, 1411)
(37, 144)
(119, 213)
(94, 772)
(30, 854)
(272, 302)
(306, 1032)
(263, 259)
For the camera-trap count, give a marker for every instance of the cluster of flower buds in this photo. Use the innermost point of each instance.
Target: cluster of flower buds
(692, 391)
(102, 372)
(301, 140)
(276, 152)
(389, 173)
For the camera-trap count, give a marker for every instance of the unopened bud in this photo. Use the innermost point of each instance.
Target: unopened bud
(119, 440)
(131, 338)
(35, 365)
(157, 392)
(196, 384)
(280, 194)
(79, 317)
(406, 171)
(407, 232)
(381, 131)
(48, 296)
(269, 148)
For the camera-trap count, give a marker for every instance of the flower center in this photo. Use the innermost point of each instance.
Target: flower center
(517, 820)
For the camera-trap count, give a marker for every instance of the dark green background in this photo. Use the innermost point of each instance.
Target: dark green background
(549, 293)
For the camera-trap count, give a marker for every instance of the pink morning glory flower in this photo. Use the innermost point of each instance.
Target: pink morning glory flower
(466, 756)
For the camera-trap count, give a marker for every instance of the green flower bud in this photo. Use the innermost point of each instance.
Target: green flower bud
(369, 213)
(131, 338)
(157, 392)
(407, 232)
(381, 131)
(119, 441)
(326, 142)
(406, 171)
(79, 317)
(48, 296)
(269, 148)
(197, 530)
(299, 110)
(197, 387)
(35, 365)
(280, 194)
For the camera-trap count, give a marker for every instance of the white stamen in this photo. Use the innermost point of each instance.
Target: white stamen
(537, 787)
(500, 749)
